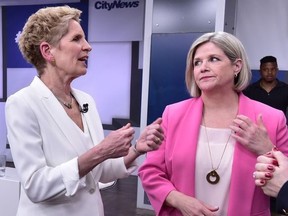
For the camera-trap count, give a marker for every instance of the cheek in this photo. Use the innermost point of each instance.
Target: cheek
(196, 72)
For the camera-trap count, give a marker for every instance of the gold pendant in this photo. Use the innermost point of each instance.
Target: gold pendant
(213, 177)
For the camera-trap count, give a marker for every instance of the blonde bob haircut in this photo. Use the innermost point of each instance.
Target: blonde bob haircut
(233, 49)
(48, 24)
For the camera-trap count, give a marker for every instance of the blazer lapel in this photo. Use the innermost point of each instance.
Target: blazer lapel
(56, 111)
(58, 114)
(242, 169)
(91, 117)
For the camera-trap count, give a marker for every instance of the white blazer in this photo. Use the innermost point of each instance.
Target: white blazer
(45, 145)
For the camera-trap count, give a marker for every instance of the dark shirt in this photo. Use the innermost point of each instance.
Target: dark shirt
(282, 200)
(277, 97)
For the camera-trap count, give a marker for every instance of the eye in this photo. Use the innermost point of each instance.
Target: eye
(77, 38)
(214, 59)
(196, 62)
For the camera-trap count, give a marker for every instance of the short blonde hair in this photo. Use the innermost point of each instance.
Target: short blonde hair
(233, 49)
(48, 24)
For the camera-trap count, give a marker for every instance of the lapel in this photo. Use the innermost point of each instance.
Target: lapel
(91, 117)
(243, 168)
(185, 118)
(58, 114)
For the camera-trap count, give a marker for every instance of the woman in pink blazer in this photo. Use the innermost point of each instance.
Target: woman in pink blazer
(205, 164)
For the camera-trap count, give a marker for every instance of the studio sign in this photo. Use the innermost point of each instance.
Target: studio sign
(115, 5)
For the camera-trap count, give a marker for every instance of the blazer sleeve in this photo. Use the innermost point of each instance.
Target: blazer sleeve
(282, 200)
(154, 175)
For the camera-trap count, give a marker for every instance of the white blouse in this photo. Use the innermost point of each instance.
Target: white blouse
(214, 194)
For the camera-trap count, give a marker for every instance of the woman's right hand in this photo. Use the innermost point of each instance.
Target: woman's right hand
(271, 172)
(117, 143)
(189, 206)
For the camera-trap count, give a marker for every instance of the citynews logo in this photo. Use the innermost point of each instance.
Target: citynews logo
(115, 5)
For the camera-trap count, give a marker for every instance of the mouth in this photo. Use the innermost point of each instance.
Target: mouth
(205, 77)
(84, 59)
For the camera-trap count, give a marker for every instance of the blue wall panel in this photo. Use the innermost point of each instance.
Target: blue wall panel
(167, 71)
(14, 18)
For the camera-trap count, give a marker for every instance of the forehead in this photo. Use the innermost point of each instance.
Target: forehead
(269, 64)
(208, 49)
(74, 28)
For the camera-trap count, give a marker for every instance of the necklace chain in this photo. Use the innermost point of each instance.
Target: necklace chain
(67, 104)
(213, 177)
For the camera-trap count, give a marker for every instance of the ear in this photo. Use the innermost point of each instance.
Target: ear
(45, 49)
(238, 64)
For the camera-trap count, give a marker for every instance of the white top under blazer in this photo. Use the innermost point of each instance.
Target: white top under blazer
(45, 144)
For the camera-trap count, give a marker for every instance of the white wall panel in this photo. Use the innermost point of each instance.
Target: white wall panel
(116, 20)
(1, 59)
(18, 78)
(108, 79)
(262, 26)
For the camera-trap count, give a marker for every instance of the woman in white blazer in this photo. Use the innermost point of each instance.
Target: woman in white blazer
(59, 148)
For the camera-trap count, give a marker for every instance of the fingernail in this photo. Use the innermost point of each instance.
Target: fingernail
(274, 162)
(262, 181)
(268, 153)
(268, 175)
(270, 167)
(275, 148)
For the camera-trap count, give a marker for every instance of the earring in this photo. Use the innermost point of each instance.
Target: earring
(235, 78)
(53, 61)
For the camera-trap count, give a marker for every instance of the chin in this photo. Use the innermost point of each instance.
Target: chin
(83, 73)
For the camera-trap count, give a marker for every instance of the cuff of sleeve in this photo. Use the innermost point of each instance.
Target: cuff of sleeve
(132, 167)
(70, 176)
(281, 200)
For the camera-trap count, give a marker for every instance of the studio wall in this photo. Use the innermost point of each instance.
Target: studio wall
(176, 24)
(262, 26)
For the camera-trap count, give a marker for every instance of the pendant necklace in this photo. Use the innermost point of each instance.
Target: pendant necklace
(67, 104)
(213, 177)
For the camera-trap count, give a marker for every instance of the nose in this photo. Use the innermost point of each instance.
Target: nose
(204, 67)
(87, 46)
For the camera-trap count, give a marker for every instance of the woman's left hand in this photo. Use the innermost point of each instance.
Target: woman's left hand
(253, 136)
(151, 138)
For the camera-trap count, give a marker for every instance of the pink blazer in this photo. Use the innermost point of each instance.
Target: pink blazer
(172, 167)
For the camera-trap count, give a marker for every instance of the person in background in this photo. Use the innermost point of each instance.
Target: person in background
(271, 174)
(205, 164)
(58, 144)
(268, 89)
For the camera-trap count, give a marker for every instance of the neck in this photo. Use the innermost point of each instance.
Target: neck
(59, 85)
(62, 93)
(219, 112)
(66, 102)
(220, 101)
(268, 86)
